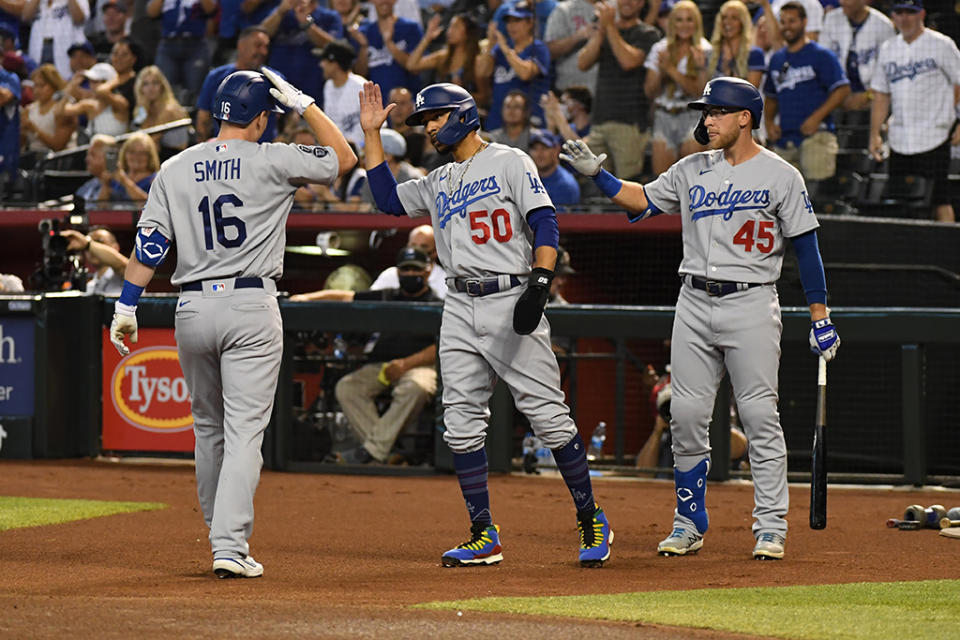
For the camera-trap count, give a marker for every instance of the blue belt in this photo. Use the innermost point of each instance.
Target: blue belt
(720, 288)
(482, 286)
(238, 283)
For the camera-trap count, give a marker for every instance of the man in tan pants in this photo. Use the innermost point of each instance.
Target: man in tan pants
(403, 363)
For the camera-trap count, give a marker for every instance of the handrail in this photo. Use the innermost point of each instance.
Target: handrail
(160, 128)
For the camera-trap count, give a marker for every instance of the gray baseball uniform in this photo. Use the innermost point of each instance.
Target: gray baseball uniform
(225, 205)
(478, 208)
(735, 220)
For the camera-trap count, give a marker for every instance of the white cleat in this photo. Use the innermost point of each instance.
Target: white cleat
(769, 546)
(245, 567)
(680, 542)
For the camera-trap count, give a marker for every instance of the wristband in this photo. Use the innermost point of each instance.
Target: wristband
(609, 184)
(130, 294)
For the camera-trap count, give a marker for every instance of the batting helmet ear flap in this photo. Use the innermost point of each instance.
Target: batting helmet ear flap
(700, 133)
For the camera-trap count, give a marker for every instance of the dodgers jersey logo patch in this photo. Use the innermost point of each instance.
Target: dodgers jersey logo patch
(457, 202)
(724, 203)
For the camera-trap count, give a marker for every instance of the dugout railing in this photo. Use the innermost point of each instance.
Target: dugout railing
(892, 400)
(891, 397)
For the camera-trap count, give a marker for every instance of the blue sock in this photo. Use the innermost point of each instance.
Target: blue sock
(691, 494)
(472, 474)
(572, 463)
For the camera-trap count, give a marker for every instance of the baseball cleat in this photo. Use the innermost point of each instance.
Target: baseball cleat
(482, 548)
(245, 567)
(596, 538)
(680, 542)
(769, 546)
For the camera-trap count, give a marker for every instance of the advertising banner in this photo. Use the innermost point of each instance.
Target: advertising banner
(146, 405)
(16, 366)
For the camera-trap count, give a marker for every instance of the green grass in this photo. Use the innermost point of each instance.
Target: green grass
(843, 611)
(16, 512)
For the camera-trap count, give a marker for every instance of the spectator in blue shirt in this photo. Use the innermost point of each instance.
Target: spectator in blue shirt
(9, 126)
(804, 85)
(543, 9)
(560, 184)
(183, 54)
(296, 27)
(253, 45)
(524, 66)
(384, 45)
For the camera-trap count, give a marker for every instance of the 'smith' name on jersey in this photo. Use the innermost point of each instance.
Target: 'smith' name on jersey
(725, 203)
(207, 170)
(456, 203)
(896, 72)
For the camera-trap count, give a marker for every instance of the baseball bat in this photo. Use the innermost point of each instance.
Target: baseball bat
(904, 525)
(818, 469)
(946, 523)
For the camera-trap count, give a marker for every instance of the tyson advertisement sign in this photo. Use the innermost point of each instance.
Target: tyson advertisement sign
(148, 408)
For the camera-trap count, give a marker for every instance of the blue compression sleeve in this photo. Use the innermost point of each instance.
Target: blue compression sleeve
(383, 186)
(546, 231)
(811, 267)
(130, 294)
(609, 184)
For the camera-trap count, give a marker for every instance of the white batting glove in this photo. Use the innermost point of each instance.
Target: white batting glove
(124, 324)
(287, 94)
(578, 155)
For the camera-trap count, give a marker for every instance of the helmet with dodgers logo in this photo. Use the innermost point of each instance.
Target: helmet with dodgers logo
(242, 96)
(464, 116)
(731, 92)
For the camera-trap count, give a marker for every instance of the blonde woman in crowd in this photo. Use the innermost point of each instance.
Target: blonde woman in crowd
(734, 53)
(43, 125)
(677, 71)
(156, 105)
(137, 166)
(456, 62)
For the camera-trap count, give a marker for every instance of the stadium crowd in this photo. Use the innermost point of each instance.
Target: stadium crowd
(862, 97)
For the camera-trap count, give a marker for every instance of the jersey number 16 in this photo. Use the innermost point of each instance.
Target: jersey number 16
(222, 222)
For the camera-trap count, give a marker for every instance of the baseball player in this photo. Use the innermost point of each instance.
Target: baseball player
(738, 202)
(225, 203)
(491, 216)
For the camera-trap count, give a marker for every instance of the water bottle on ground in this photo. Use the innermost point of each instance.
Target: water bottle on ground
(595, 450)
(339, 347)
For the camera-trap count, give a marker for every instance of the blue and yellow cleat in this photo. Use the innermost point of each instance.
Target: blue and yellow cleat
(482, 548)
(596, 537)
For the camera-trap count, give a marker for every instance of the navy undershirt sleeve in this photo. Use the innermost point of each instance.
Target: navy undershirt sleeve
(811, 267)
(383, 186)
(546, 230)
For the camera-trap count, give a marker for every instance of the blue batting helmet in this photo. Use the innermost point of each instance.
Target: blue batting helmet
(241, 97)
(446, 96)
(731, 92)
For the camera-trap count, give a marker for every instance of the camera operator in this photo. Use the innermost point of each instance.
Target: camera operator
(105, 262)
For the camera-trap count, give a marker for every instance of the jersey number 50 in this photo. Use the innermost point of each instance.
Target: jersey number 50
(480, 229)
(222, 222)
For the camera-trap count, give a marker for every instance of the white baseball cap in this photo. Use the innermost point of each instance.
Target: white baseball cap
(100, 72)
(393, 143)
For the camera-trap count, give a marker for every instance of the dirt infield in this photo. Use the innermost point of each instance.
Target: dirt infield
(344, 555)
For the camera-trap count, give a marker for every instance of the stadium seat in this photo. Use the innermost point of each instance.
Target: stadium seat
(837, 195)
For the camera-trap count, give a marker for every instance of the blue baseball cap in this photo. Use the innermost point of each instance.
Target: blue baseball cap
(908, 5)
(520, 10)
(544, 137)
(86, 46)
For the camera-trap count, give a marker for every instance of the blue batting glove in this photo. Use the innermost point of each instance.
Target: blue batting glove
(824, 339)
